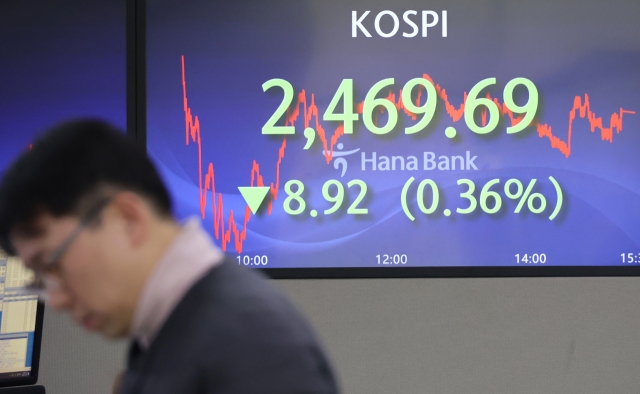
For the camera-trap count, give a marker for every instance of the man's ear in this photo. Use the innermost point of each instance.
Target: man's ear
(135, 213)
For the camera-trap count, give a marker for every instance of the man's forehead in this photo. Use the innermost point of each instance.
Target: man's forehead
(26, 239)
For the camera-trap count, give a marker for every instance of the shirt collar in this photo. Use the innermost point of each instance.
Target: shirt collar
(190, 256)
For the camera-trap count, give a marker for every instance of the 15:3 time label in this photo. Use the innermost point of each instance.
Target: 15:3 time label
(630, 258)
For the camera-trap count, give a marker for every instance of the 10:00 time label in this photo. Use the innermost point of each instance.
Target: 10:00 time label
(256, 260)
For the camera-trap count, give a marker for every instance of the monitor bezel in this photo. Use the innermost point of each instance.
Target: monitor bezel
(137, 131)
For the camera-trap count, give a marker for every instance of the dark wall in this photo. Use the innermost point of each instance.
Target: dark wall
(59, 59)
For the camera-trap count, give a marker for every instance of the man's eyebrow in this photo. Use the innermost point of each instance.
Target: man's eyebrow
(28, 230)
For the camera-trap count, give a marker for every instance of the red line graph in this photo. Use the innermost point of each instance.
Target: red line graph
(584, 110)
(224, 232)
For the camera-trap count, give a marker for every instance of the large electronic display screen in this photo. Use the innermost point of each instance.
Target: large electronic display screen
(372, 134)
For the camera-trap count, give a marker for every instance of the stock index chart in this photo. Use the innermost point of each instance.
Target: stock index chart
(325, 134)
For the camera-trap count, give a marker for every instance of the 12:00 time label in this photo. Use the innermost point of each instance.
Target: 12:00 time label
(392, 259)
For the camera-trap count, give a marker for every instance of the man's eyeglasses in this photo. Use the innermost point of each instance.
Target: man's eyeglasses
(47, 275)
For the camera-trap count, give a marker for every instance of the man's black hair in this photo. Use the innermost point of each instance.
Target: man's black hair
(66, 165)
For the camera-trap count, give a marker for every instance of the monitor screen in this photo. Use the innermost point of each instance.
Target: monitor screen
(19, 338)
(407, 134)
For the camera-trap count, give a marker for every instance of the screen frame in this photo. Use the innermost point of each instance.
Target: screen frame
(35, 356)
(137, 129)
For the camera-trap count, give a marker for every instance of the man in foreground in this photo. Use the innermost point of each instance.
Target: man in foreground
(87, 211)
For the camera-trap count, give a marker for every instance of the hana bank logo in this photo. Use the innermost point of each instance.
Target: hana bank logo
(339, 162)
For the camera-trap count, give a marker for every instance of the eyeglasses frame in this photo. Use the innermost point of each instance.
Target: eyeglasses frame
(42, 274)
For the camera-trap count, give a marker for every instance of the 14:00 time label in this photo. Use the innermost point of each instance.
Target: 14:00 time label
(533, 258)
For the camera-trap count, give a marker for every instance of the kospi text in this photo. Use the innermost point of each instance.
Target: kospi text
(361, 27)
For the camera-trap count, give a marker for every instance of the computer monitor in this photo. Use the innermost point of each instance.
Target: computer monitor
(21, 317)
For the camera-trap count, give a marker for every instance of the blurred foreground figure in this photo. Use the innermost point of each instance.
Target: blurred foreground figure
(87, 211)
